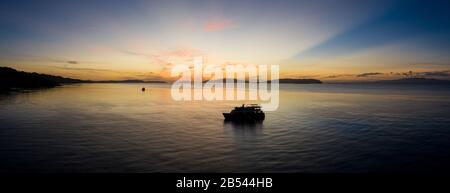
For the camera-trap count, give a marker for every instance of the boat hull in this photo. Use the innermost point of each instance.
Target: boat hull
(243, 116)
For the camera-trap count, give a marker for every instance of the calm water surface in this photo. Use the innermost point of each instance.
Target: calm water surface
(317, 128)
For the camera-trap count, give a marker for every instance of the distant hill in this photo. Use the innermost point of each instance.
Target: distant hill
(414, 81)
(299, 81)
(285, 81)
(124, 81)
(11, 79)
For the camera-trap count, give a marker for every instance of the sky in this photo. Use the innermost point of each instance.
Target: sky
(338, 40)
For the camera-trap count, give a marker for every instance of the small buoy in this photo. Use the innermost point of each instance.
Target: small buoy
(143, 89)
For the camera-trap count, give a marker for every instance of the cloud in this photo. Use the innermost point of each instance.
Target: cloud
(147, 76)
(429, 64)
(369, 74)
(183, 53)
(363, 75)
(46, 59)
(445, 73)
(338, 76)
(132, 53)
(217, 25)
(425, 74)
(165, 56)
(83, 69)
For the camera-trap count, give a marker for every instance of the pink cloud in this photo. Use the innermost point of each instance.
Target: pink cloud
(183, 53)
(217, 25)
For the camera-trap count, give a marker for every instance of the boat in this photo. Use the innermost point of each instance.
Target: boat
(250, 112)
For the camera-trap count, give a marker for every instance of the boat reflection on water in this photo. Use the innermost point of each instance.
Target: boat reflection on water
(243, 124)
(243, 130)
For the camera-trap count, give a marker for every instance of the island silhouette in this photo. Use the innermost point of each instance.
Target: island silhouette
(11, 79)
(281, 81)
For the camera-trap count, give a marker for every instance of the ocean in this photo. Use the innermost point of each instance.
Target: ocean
(318, 128)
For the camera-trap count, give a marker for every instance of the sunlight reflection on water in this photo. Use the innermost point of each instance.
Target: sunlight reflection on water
(317, 128)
